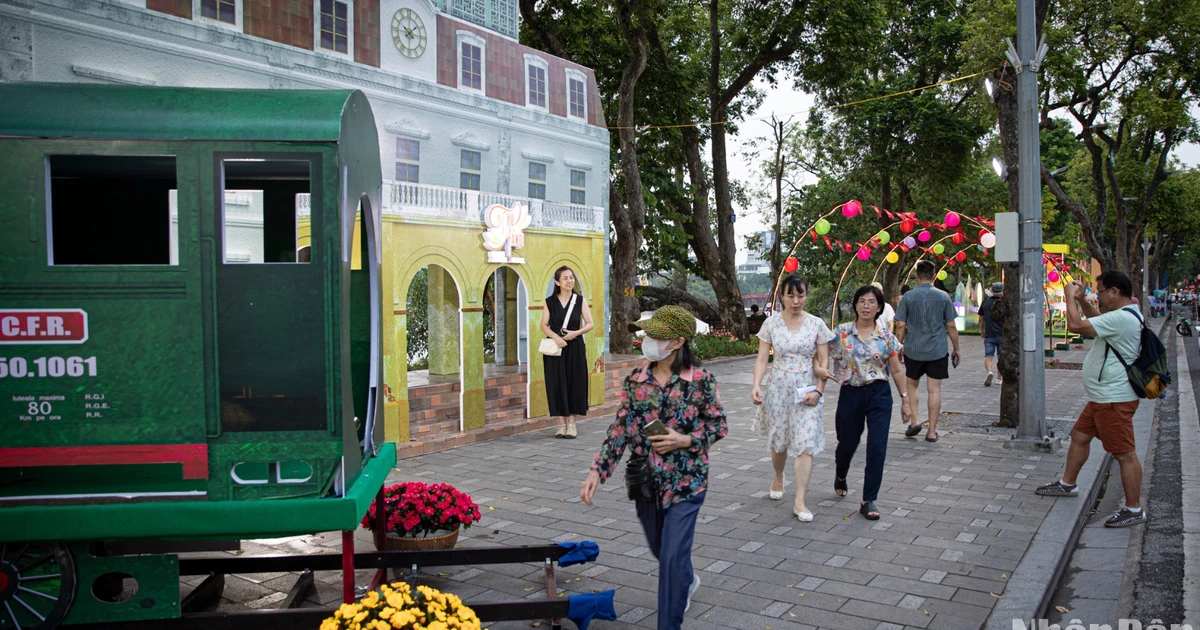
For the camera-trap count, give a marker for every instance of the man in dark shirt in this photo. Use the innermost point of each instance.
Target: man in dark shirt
(992, 331)
(756, 319)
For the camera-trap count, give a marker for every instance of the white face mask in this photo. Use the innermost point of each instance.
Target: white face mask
(656, 349)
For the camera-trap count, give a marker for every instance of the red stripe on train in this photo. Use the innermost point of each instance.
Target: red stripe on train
(194, 457)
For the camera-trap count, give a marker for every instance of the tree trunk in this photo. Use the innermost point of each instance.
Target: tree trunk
(724, 276)
(776, 264)
(1009, 361)
(654, 297)
(629, 214)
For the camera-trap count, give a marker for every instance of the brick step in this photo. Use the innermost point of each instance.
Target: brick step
(506, 379)
(434, 428)
(434, 390)
(433, 415)
(506, 402)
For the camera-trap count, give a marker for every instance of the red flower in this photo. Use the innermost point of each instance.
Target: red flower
(416, 509)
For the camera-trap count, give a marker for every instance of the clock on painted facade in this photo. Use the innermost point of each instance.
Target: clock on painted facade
(408, 33)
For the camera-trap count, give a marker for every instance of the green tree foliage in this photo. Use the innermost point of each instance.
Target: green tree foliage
(904, 148)
(417, 318)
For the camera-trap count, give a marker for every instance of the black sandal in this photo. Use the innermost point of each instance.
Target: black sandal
(867, 509)
(840, 484)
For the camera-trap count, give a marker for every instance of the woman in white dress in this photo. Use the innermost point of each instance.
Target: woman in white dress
(792, 400)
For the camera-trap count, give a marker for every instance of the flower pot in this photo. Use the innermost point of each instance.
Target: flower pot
(1049, 352)
(447, 540)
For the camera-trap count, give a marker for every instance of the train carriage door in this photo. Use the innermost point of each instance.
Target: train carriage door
(271, 316)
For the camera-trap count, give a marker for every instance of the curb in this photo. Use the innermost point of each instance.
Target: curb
(1037, 576)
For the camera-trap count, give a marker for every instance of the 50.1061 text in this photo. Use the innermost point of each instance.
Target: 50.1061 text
(53, 367)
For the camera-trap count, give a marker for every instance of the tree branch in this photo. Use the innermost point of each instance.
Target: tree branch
(543, 29)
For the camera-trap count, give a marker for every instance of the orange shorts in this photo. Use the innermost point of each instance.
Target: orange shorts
(1111, 422)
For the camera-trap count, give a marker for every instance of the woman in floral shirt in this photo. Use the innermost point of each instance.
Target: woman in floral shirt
(684, 398)
(862, 353)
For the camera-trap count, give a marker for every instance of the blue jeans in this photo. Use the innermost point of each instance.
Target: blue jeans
(669, 535)
(869, 406)
(991, 346)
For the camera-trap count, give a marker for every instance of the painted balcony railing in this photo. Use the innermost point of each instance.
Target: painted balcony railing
(424, 200)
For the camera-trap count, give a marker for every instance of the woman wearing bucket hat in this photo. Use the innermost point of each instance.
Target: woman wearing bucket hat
(670, 416)
(791, 401)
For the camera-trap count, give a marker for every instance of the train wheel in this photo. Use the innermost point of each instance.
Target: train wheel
(37, 584)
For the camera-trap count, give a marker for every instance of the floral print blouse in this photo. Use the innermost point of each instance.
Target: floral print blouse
(689, 404)
(856, 362)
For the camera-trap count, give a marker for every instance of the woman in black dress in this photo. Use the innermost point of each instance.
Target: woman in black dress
(566, 374)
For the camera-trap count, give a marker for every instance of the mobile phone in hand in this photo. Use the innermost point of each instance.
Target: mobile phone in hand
(655, 427)
(954, 360)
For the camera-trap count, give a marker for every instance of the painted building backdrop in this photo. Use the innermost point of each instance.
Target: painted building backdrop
(467, 117)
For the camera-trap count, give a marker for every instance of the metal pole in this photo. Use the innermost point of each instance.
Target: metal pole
(1147, 291)
(1032, 423)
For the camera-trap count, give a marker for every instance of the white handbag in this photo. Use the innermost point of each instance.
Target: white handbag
(548, 347)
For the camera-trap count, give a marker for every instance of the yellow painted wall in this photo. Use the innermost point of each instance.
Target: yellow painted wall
(410, 244)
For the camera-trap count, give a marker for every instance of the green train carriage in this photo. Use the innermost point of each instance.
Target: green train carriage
(190, 332)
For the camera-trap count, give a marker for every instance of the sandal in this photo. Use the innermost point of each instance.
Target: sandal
(867, 509)
(912, 430)
(839, 487)
(931, 438)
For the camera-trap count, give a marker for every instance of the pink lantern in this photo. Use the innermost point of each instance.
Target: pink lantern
(910, 242)
(924, 236)
(864, 253)
(952, 219)
(1052, 276)
(851, 208)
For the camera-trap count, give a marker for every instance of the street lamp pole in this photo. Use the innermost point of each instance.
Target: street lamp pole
(1031, 427)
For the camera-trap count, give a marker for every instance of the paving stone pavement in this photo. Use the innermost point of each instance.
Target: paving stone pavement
(957, 517)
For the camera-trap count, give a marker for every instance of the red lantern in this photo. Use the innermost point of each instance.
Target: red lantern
(981, 233)
(960, 256)
(907, 226)
(791, 264)
(951, 263)
(958, 238)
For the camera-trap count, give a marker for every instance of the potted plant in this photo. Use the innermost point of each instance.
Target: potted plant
(421, 515)
(400, 606)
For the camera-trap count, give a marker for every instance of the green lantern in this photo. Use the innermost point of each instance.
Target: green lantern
(884, 237)
(939, 249)
(822, 227)
(942, 275)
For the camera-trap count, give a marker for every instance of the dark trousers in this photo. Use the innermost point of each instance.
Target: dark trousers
(869, 406)
(669, 535)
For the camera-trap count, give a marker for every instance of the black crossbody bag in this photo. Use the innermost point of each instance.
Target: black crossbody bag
(639, 478)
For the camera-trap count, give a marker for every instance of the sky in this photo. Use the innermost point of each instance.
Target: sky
(784, 101)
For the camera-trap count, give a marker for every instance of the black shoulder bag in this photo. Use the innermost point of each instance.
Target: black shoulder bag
(639, 478)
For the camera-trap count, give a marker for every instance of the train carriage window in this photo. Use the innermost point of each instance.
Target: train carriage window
(267, 217)
(271, 319)
(112, 210)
